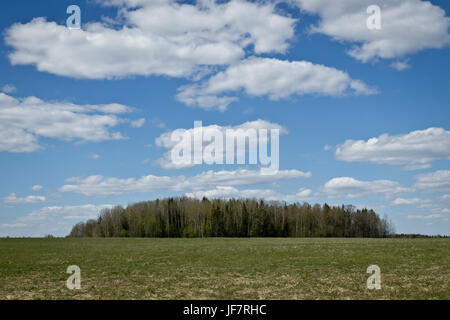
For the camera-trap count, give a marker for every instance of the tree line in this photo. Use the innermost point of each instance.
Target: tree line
(186, 217)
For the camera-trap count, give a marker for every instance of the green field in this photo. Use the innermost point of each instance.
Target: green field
(263, 268)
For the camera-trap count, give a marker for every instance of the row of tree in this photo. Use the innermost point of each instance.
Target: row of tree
(185, 217)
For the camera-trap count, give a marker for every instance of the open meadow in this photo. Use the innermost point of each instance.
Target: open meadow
(224, 268)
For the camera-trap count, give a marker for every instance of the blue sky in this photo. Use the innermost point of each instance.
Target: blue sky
(144, 63)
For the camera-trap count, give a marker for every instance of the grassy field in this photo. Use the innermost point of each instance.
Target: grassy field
(224, 268)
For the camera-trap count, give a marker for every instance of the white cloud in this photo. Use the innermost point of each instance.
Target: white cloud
(23, 121)
(158, 123)
(152, 38)
(407, 26)
(94, 156)
(437, 205)
(138, 123)
(56, 220)
(37, 187)
(165, 140)
(102, 186)
(430, 216)
(13, 199)
(88, 211)
(437, 181)
(414, 167)
(8, 88)
(266, 194)
(418, 147)
(276, 79)
(403, 201)
(400, 65)
(352, 188)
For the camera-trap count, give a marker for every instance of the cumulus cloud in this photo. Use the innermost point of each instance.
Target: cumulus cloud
(138, 123)
(241, 132)
(158, 123)
(37, 187)
(403, 201)
(265, 194)
(438, 181)
(208, 35)
(276, 79)
(102, 186)
(351, 188)
(144, 40)
(415, 149)
(437, 205)
(400, 65)
(23, 121)
(56, 220)
(8, 88)
(88, 211)
(13, 199)
(407, 26)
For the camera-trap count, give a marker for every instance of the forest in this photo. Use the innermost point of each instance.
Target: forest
(194, 218)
